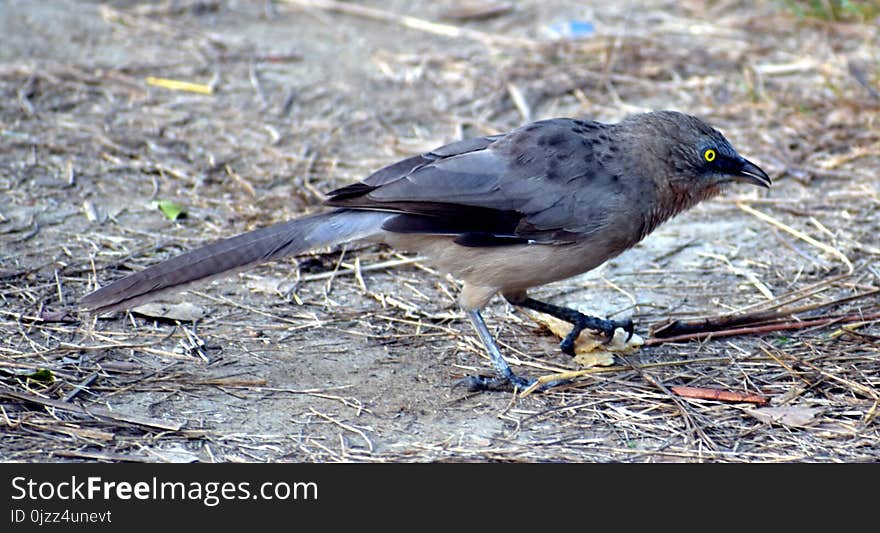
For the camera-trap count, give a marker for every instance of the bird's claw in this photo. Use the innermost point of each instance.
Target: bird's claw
(627, 326)
(497, 383)
(567, 344)
(605, 327)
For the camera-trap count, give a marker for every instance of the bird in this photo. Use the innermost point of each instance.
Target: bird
(502, 213)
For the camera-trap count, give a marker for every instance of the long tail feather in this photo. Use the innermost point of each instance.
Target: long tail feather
(234, 254)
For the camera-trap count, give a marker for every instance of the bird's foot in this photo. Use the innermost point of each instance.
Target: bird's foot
(505, 380)
(494, 383)
(505, 384)
(578, 320)
(604, 326)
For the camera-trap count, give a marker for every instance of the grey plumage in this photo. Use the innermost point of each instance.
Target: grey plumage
(237, 253)
(504, 213)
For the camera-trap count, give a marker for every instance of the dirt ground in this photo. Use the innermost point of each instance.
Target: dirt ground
(350, 355)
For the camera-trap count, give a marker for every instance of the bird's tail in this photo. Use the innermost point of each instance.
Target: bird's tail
(233, 254)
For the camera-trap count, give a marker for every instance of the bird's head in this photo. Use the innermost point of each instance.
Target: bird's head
(695, 151)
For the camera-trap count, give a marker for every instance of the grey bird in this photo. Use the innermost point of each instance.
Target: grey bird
(502, 213)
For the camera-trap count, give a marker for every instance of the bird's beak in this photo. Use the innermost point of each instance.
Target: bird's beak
(751, 173)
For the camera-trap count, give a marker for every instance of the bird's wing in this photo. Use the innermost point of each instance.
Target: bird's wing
(543, 182)
(402, 168)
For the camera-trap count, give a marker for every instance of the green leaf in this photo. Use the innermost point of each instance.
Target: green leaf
(44, 375)
(171, 210)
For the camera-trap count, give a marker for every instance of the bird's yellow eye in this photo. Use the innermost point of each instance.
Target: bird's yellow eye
(709, 155)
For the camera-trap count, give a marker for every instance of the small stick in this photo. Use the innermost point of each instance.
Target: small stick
(799, 234)
(344, 426)
(348, 269)
(788, 367)
(258, 87)
(251, 309)
(724, 322)
(103, 456)
(98, 412)
(856, 387)
(414, 23)
(58, 288)
(78, 388)
(571, 375)
(686, 416)
(245, 184)
(796, 295)
(180, 85)
(717, 394)
(785, 326)
(519, 101)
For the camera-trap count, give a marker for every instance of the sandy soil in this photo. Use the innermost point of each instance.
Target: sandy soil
(329, 358)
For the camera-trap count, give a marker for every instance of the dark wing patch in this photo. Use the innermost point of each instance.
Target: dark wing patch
(496, 228)
(539, 183)
(476, 239)
(455, 220)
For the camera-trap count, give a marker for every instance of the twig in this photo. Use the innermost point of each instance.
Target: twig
(344, 426)
(785, 326)
(571, 375)
(349, 269)
(414, 23)
(81, 386)
(762, 317)
(104, 456)
(519, 100)
(786, 366)
(685, 415)
(717, 394)
(99, 412)
(799, 234)
(856, 387)
(258, 87)
(858, 72)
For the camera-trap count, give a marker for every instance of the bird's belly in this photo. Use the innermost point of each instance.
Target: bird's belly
(507, 268)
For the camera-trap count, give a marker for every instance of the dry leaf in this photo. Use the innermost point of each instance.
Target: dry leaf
(594, 358)
(788, 416)
(590, 348)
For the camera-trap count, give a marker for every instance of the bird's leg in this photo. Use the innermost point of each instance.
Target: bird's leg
(578, 320)
(506, 379)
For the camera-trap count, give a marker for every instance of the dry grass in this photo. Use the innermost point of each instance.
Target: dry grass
(86, 143)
